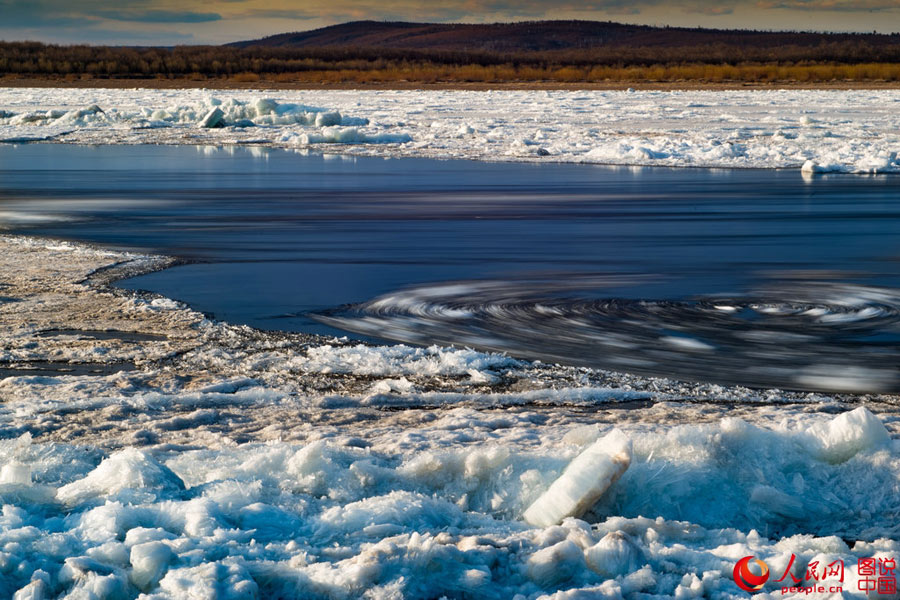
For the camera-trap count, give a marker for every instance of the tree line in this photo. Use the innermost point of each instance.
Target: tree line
(46, 60)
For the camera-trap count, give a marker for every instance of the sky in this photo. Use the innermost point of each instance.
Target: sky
(170, 22)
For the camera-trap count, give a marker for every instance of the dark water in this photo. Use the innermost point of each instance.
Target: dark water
(755, 277)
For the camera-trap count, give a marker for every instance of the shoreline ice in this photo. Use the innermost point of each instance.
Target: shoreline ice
(201, 459)
(816, 131)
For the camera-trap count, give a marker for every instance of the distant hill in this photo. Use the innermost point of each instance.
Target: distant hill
(544, 36)
(544, 52)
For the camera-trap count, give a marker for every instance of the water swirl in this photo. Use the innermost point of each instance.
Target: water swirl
(799, 335)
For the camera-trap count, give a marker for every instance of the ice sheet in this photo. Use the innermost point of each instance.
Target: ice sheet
(855, 131)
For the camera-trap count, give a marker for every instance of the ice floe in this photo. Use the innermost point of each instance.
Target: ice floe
(818, 131)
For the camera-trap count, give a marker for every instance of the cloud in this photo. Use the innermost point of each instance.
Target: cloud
(215, 21)
(160, 16)
(134, 37)
(831, 5)
(710, 9)
(271, 13)
(23, 14)
(96, 35)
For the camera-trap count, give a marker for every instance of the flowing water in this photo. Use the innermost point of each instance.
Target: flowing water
(757, 277)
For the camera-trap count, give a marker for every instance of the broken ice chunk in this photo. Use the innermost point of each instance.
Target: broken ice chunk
(214, 118)
(327, 119)
(149, 562)
(16, 473)
(128, 469)
(555, 564)
(847, 434)
(778, 502)
(586, 478)
(616, 554)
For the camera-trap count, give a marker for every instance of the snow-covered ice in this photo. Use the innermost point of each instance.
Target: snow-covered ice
(175, 457)
(855, 131)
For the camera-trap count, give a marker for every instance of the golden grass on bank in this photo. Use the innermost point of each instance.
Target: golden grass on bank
(312, 71)
(247, 77)
(508, 73)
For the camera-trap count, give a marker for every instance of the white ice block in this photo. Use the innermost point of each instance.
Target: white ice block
(16, 473)
(214, 118)
(847, 434)
(586, 478)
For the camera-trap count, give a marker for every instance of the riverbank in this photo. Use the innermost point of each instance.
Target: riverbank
(14, 81)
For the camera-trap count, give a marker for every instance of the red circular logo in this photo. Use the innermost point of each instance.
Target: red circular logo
(748, 580)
